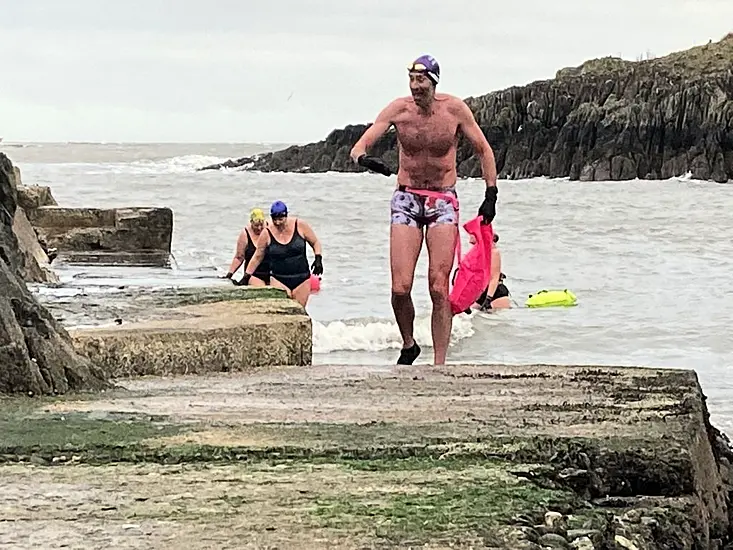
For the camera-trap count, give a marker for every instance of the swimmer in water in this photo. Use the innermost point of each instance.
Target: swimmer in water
(496, 295)
(283, 245)
(246, 247)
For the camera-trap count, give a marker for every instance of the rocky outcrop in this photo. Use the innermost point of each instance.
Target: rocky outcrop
(31, 197)
(36, 354)
(36, 265)
(608, 119)
(129, 236)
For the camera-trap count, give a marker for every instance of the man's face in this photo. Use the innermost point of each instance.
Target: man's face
(421, 86)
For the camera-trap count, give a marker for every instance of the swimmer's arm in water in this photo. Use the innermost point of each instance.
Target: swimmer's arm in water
(470, 128)
(238, 254)
(384, 120)
(259, 254)
(312, 239)
(495, 273)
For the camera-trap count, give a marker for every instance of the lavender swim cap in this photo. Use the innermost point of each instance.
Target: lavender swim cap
(428, 65)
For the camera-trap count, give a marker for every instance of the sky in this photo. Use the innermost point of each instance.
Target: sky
(292, 70)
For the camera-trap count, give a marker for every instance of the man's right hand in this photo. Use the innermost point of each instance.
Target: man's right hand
(374, 164)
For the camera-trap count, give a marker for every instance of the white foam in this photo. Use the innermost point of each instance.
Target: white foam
(172, 165)
(379, 334)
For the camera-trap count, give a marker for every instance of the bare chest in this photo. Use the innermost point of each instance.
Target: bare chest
(435, 134)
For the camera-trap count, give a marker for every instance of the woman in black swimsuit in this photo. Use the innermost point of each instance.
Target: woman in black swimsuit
(283, 245)
(246, 246)
(496, 295)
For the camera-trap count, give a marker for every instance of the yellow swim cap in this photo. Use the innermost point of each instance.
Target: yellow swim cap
(256, 215)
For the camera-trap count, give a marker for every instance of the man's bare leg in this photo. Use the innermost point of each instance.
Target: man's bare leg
(441, 241)
(405, 243)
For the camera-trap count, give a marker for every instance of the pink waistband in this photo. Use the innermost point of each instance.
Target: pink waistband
(428, 193)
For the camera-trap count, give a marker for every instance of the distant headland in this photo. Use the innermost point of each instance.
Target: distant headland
(608, 119)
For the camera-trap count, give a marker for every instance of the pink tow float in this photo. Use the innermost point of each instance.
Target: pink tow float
(315, 283)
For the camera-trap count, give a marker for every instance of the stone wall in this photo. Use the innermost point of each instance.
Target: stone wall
(128, 236)
(224, 336)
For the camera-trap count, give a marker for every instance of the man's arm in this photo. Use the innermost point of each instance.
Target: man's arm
(470, 128)
(384, 120)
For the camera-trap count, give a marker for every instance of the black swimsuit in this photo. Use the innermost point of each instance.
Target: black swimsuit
(288, 262)
(263, 270)
(501, 292)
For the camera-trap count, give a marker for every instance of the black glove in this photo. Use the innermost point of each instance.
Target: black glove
(244, 281)
(488, 207)
(374, 164)
(317, 265)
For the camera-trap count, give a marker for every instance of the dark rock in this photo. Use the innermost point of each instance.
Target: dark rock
(552, 540)
(608, 119)
(238, 163)
(36, 354)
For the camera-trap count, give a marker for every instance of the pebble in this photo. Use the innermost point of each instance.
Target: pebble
(649, 522)
(554, 541)
(583, 543)
(594, 535)
(625, 543)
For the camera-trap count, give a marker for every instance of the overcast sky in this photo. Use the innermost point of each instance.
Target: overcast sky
(291, 70)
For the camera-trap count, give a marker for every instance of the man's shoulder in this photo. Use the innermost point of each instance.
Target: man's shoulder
(400, 103)
(449, 99)
(455, 105)
(441, 96)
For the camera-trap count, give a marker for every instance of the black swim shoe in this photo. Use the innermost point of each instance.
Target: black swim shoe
(408, 355)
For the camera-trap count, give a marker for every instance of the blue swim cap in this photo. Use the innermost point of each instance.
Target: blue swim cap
(426, 64)
(278, 208)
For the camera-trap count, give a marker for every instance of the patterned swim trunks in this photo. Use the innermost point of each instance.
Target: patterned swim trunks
(412, 208)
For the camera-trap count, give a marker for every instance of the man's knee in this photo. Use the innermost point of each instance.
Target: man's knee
(401, 288)
(438, 285)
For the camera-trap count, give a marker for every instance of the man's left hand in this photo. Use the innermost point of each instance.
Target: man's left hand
(488, 207)
(317, 265)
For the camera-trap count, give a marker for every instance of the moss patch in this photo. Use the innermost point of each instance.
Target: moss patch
(190, 296)
(478, 498)
(26, 430)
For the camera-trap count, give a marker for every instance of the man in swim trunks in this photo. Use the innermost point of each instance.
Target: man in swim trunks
(246, 246)
(427, 125)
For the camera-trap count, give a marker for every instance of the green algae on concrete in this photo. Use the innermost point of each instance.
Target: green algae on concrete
(446, 503)
(355, 457)
(28, 432)
(176, 297)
